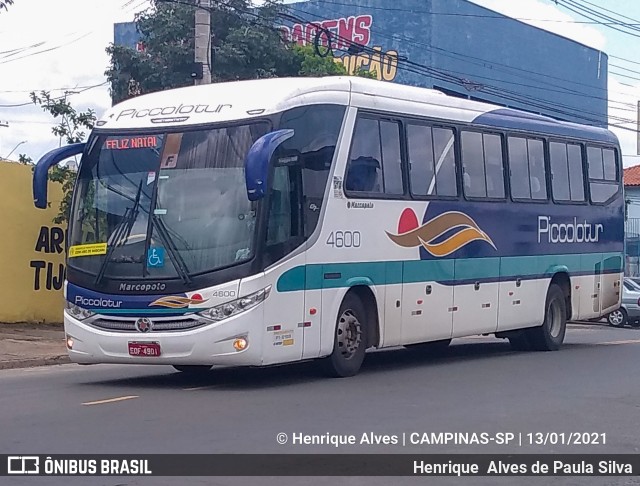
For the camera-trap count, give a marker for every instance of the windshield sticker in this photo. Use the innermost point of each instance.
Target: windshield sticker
(126, 143)
(151, 176)
(337, 187)
(159, 212)
(155, 257)
(88, 250)
(171, 151)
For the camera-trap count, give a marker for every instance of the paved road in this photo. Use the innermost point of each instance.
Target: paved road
(478, 385)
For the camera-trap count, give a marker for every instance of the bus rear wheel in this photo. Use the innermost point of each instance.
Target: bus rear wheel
(350, 341)
(192, 369)
(549, 336)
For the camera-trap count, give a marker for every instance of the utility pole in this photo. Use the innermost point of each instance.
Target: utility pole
(4, 124)
(203, 40)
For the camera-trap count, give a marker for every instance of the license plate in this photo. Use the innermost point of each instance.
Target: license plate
(148, 350)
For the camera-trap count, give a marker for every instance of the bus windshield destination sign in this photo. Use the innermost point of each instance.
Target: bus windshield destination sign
(120, 143)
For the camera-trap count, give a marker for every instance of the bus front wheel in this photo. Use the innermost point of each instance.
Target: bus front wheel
(350, 341)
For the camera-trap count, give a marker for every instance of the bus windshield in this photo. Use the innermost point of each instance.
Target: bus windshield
(164, 205)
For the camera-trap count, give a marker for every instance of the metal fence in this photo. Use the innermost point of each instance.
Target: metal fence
(632, 247)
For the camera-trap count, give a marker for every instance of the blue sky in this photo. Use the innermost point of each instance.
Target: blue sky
(60, 55)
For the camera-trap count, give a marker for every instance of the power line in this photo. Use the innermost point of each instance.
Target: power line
(49, 49)
(483, 63)
(526, 74)
(487, 89)
(67, 88)
(457, 14)
(611, 11)
(593, 15)
(475, 60)
(87, 88)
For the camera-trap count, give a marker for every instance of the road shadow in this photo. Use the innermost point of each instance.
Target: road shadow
(383, 361)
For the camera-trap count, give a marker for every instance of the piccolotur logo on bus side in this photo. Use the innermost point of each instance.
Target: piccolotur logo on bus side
(440, 236)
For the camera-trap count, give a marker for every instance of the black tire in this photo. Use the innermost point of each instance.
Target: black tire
(618, 318)
(192, 369)
(351, 337)
(432, 347)
(550, 335)
(635, 324)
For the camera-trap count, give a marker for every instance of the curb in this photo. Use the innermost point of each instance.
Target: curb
(33, 362)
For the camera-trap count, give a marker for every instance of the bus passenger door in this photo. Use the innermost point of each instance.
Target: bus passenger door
(285, 308)
(610, 283)
(590, 285)
(427, 305)
(476, 296)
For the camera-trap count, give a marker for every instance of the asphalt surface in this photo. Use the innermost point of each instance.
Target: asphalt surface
(477, 385)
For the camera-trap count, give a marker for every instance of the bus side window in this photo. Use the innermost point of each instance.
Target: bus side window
(432, 163)
(473, 174)
(567, 177)
(528, 173)
(364, 173)
(483, 166)
(559, 163)
(375, 163)
(603, 173)
(576, 172)
(537, 170)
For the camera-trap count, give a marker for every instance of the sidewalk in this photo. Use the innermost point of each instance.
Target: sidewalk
(26, 345)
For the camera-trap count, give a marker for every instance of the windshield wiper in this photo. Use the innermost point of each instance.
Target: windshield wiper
(176, 258)
(121, 232)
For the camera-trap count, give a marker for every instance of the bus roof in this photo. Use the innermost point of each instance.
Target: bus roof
(240, 100)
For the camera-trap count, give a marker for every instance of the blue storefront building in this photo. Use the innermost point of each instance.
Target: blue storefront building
(454, 46)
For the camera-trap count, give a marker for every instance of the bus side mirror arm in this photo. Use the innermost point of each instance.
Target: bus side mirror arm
(41, 171)
(256, 164)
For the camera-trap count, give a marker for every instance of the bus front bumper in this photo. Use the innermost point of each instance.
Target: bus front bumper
(212, 344)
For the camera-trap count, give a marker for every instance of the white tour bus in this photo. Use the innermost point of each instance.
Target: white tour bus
(271, 221)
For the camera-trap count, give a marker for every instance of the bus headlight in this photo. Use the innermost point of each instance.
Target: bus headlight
(77, 312)
(235, 307)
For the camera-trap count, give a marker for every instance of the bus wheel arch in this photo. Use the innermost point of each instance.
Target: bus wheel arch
(355, 331)
(562, 280)
(550, 335)
(370, 303)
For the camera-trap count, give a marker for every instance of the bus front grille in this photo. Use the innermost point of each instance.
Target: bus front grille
(158, 326)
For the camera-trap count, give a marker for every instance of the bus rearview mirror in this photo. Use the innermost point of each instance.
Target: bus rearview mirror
(41, 171)
(258, 160)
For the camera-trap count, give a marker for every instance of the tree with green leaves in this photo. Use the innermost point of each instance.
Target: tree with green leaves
(72, 126)
(246, 45)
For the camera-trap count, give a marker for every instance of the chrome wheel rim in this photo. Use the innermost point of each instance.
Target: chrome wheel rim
(616, 317)
(349, 335)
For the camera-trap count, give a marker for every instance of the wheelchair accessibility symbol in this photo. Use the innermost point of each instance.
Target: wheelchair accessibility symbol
(155, 257)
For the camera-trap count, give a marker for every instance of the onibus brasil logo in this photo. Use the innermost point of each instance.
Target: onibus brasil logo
(440, 236)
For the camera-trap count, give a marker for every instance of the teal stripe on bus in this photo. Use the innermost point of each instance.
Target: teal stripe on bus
(450, 271)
